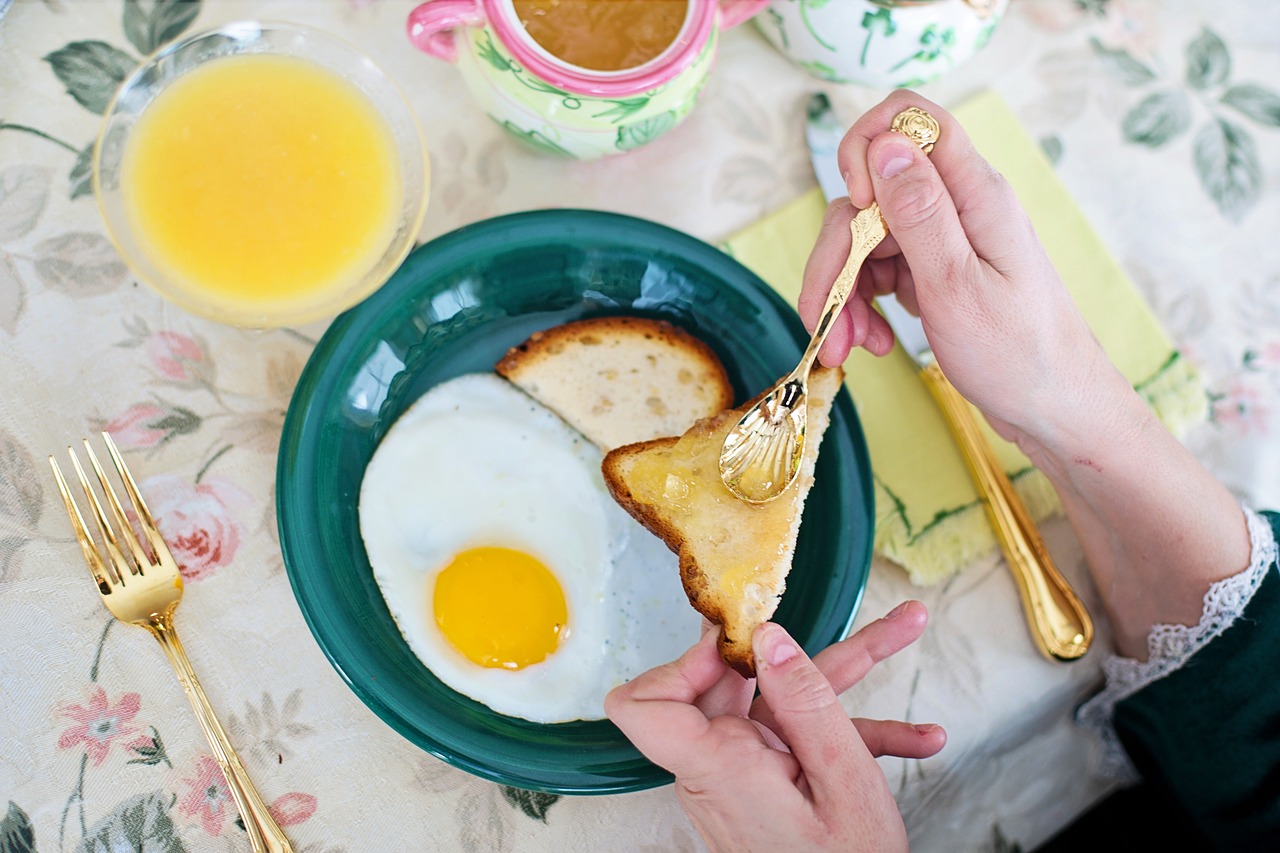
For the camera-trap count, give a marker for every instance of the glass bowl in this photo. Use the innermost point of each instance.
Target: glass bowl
(455, 306)
(394, 139)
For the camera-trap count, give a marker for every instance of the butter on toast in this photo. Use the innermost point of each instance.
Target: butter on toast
(734, 555)
(619, 380)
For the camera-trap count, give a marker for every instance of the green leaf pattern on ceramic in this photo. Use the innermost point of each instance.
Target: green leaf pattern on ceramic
(503, 63)
(935, 43)
(805, 6)
(634, 135)
(623, 108)
(821, 69)
(878, 22)
(778, 24)
(536, 139)
(1224, 151)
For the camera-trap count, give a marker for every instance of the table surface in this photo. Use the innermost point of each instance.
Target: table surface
(95, 736)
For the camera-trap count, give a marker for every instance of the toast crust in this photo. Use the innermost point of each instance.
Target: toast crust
(619, 380)
(716, 586)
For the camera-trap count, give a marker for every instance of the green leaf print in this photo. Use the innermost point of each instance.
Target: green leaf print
(1208, 61)
(81, 178)
(16, 834)
(1157, 118)
(1052, 147)
(536, 140)
(623, 109)
(150, 755)
(1227, 165)
(148, 25)
(490, 54)
(805, 6)
(1121, 64)
(879, 21)
(935, 43)
(91, 71)
(634, 135)
(822, 70)
(140, 825)
(776, 19)
(533, 803)
(1260, 104)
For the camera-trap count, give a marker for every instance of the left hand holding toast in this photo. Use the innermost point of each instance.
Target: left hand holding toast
(789, 770)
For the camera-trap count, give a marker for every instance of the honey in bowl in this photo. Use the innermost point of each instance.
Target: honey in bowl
(603, 35)
(262, 180)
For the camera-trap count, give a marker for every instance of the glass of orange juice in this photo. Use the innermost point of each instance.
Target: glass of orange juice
(261, 174)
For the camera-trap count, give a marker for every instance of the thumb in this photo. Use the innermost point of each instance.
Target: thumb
(808, 716)
(919, 211)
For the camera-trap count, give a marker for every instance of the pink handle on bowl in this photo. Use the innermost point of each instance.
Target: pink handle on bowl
(734, 12)
(431, 25)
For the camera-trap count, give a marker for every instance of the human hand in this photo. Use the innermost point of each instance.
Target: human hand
(963, 256)
(788, 771)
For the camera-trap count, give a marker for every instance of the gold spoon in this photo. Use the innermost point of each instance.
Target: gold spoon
(761, 455)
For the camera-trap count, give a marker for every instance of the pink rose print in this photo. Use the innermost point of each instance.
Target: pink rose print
(178, 357)
(292, 808)
(150, 424)
(197, 520)
(98, 723)
(207, 796)
(1242, 409)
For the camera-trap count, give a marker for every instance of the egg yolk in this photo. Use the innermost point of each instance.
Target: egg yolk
(500, 607)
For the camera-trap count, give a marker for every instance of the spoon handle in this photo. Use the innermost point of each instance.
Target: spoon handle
(1059, 623)
(867, 229)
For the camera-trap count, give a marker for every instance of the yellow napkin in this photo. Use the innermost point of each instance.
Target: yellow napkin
(929, 518)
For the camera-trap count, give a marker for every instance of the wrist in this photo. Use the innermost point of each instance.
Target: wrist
(1097, 415)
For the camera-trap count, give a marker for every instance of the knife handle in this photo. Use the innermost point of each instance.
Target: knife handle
(1059, 624)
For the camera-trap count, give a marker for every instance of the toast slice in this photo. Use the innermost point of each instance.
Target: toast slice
(620, 380)
(734, 555)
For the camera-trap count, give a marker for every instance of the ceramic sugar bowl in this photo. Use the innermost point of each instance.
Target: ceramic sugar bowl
(579, 85)
(880, 43)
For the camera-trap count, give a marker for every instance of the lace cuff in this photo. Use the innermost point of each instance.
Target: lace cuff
(1170, 646)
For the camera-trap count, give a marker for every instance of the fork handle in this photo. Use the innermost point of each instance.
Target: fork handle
(264, 833)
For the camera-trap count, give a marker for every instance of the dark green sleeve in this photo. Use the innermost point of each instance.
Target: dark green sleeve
(1209, 732)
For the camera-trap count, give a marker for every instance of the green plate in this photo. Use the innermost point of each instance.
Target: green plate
(455, 306)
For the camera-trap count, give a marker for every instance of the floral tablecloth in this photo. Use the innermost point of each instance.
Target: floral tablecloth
(1162, 119)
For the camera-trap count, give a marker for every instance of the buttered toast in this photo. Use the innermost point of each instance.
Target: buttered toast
(620, 380)
(734, 555)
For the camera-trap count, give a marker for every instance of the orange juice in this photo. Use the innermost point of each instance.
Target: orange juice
(261, 180)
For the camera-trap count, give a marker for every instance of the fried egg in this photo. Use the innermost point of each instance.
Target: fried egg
(510, 571)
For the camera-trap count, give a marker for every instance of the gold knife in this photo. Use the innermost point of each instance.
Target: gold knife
(1059, 623)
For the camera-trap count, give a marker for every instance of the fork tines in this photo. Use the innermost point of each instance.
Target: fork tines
(122, 560)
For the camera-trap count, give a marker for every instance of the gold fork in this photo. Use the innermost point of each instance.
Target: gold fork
(142, 586)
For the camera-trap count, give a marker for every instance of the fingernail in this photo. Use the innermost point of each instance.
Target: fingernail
(926, 728)
(897, 611)
(892, 158)
(778, 647)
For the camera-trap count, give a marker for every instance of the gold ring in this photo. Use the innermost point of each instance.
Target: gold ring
(919, 126)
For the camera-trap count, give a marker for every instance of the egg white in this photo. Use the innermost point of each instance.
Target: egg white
(477, 462)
